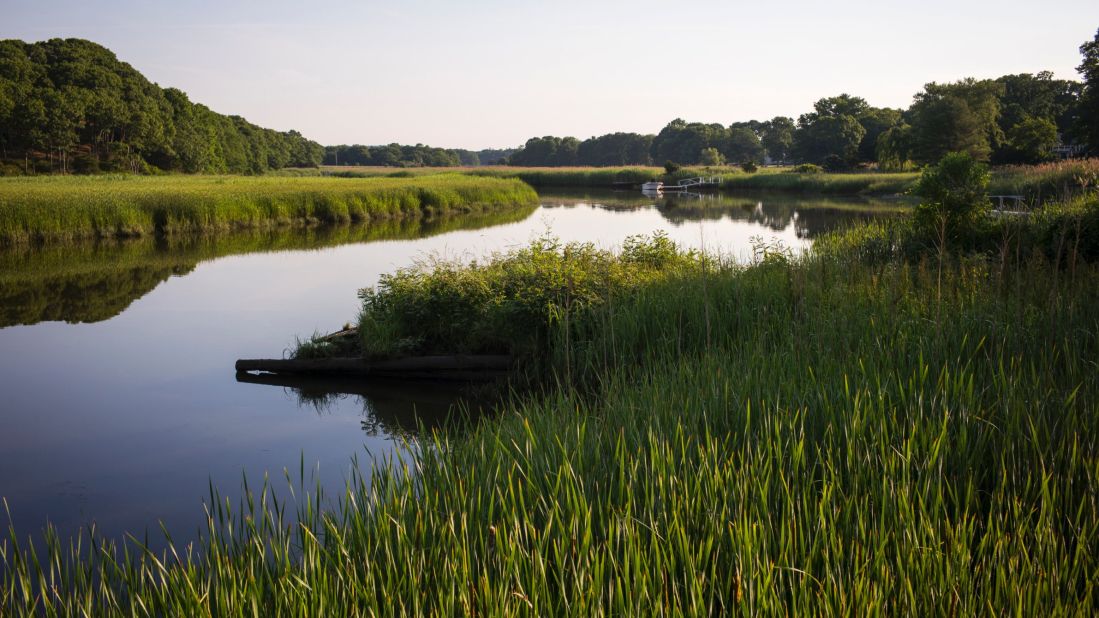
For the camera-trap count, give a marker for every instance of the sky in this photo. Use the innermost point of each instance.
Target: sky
(492, 73)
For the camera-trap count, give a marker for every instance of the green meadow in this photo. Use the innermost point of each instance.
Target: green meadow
(39, 209)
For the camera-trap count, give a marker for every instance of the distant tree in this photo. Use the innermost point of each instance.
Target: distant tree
(683, 142)
(69, 98)
(876, 121)
(778, 137)
(743, 144)
(831, 129)
(894, 148)
(957, 117)
(1089, 101)
(1030, 141)
(616, 149)
(1029, 98)
(819, 137)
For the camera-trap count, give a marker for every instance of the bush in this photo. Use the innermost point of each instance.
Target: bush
(809, 168)
(954, 195)
(835, 163)
(510, 303)
(671, 166)
(749, 167)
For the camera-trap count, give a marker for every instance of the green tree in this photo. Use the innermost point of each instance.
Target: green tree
(1089, 101)
(1028, 99)
(875, 121)
(742, 144)
(894, 148)
(957, 117)
(778, 137)
(683, 142)
(832, 129)
(1030, 141)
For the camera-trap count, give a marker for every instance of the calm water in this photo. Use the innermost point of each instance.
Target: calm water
(119, 402)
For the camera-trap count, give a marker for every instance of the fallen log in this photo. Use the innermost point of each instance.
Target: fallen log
(441, 367)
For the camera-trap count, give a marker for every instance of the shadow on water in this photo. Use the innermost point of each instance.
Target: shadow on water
(397, 408)
(96, 281)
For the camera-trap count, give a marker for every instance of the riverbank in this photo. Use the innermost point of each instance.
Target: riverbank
(46, 209)
(834, 433)
(1036, 183)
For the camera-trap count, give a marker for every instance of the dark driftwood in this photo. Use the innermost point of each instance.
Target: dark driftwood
(456, 367)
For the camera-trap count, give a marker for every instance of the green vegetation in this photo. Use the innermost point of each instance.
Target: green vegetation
(63, 208)
(838, 433)
(396, 155)
(69, 105)
(809, 182)
(1010, 120)
(509, 304)
(1047, 182)
(96, 280)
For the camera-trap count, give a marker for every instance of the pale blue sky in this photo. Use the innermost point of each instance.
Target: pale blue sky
(481, 74)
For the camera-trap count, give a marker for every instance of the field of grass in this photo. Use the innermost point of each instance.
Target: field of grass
(64, 208)
(816, 435)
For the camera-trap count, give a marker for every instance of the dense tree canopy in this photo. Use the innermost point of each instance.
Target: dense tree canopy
(1013, 119)
(1088, 114)
(957, 117)
(71, 105)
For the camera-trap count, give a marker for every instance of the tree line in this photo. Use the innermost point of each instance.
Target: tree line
(1013, 119)
(396, 155)
(69, 105)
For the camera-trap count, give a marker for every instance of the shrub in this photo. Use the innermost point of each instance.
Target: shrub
(835, 163)
(954, 196)
(809, 168)
(671, 166)
(749, 167)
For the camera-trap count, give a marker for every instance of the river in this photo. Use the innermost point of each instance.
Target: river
(119, 401)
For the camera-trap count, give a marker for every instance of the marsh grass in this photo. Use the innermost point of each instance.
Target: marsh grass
(43, 209)
(815, 435)
(1048, 182)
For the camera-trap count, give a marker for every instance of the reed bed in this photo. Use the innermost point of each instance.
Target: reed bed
(813, 435)
(864, 183)
(66, 208)
(1058, 181)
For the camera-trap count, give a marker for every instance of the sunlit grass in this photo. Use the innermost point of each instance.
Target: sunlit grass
(817, 435)
(59, 208)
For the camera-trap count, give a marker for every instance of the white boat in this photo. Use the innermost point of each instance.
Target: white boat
(652, 185)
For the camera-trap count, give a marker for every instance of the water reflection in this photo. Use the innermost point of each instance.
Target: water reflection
(397, 408)
(809, 216)
(92, 282)
(95, 281)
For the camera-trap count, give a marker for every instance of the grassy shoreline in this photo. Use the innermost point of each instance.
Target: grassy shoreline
(66, 208)
(1037, 183)
(826, 434)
